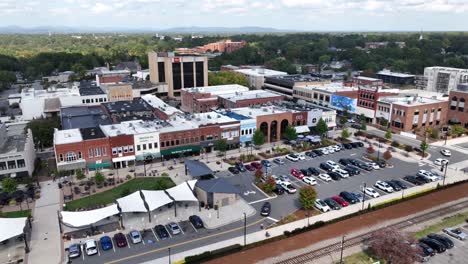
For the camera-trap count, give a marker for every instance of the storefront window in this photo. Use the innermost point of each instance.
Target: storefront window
(21, 163)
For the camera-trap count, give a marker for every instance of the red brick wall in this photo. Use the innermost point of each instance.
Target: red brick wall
(455, 114)
(408, 117)
(274, 117)
(186, 137)
(121, 141)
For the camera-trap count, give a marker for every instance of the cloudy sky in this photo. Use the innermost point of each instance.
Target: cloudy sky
(310, 15)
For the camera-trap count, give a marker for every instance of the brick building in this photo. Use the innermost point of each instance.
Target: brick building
(204, 99)
(248, 99)
(457, 112)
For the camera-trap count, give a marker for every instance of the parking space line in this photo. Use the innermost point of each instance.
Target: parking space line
(155, 236)
(180, 228)
(128, 244)
(113, 246)
(193, 227)
(262, 200)
(272, 219)
(98, 251)
(167, 231)
(82, 250)
(142, 240)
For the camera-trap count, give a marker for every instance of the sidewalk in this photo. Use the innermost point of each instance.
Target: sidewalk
(45, 235)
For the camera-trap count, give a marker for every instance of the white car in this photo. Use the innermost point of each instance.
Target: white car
(330, 149)
(324, 177)
(135, 236)
(446, 152)
(292, 157)
(440, 162)
(90, 247)
(383, 186)
(300, 156)
(288, 187)
(374, 165)
(371, 192)
(336, 148)
(332, 164)
(428, 175)
(309, 180)
(325, 151)
(321, 206)
(342, 173)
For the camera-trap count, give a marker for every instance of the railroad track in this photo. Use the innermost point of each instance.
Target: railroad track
(357, 240)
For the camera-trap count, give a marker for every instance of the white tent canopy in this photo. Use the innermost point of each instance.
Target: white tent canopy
(302, 129)
(85, 218)
(192, 183)
(156, 199)
(11, 227)
(182, 192)
(132, 203)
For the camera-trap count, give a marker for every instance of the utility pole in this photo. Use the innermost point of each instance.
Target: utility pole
(342, 248)
(169, 249)
(364, 195)
(445, 173)
(245, 229)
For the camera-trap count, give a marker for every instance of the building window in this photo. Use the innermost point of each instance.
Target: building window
(437, 122)
(114, 151)
(11, 164)
(150, 146)
(125, 149)
(104, 151)
(461, 105)
(453, 104)
(172, 142)
(138, 147)
(162, 144)
(97, 152)
(90, 153)
(156, 143)
(21, 163)
(177, 142)
(80, 155)
(60, 157)
(130, 148)
(144, 146)
(3, 165)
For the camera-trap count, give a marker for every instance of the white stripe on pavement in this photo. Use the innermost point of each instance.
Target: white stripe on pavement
(272, 219)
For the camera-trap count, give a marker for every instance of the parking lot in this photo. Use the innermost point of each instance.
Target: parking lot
(456, 255)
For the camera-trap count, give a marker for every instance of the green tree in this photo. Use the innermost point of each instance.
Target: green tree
(345, 134)
(9, 185)
(343, 120)
(290, 133)
(388, 134)
(363, 125)
(43, 130)
(79, 174)
(383, 122)
(221, 146)
(307, 197)
(458, 130)
(321, 127)
(99, 178)
(226, 77)
(270, 184)
(435, 133)
(423, 146)
(6, 79)
(258, 138)
(387, 155)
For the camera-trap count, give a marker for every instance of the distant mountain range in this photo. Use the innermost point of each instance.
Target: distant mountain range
(181, 30)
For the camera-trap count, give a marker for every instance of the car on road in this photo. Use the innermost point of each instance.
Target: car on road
(383, 186)
(448, 243)
(256, 165)
(456, 233)
(343, 173)
(292, 157)
(440, 162)
(296, 173)
(398, 183)
(249, 167)
(174, 228)
(90, 247)
(348, 197)
(334, 175)
(344, 162)
(288, 187)
(427, 250)
(414, 180)
(314, 171)
(324, 177)
(311, 154)
(352, 170)
(321, 206)
(434, 244)
(161, 232)
(371, 192)
(309, 180)
(135, 236)
(332, 204)
(196, 221)
(106, 243)
(358, 196)
(446, 152)
(120, 240)
(74, 251)
(266, 163)
(278, 161)
(300, 156)
(340, 201)
(266, 209)
(428, 175)
(394, 186)
(233, 170)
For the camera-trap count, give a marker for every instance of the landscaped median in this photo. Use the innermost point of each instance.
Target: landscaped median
(109, 196)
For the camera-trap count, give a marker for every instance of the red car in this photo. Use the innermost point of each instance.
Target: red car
(249, 167)
(296, 173)
(120, 240)
(340, 201)
(256, 165)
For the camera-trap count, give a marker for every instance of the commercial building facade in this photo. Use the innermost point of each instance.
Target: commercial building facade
(17, 153)
(396, 77)
(457, 112)
(204, 99)
(444, 79)
(256, 76)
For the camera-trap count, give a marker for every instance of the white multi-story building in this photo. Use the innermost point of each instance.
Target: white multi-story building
(444, 79)
(256, 76)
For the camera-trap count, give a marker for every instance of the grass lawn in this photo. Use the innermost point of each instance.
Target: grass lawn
(109, 196)
(446, 222)
(15, 214)
(362, 257)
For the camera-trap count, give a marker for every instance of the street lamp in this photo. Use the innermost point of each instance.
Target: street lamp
(364, 195)
(245, 229)
(342, 248)
(444, 166)
(169, 249)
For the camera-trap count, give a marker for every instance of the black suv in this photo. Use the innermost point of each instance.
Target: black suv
(352, 170)
(354, 144)
(266, 209)
(344, 161)
(314, 171)
(318, 152)
(334, 175)
(161, 232)
(413, 179)
(347, 146)
(306, 172)
(349, 197)
(325, 166)
(434, 244)
(448, 243)
(311, 154)
(396, 187)
(240, 167)
(279, 190)
(196, 221)
(399, 183)
(332, 204)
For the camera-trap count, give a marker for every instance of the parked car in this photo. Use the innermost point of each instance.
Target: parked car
(174, 228)
(334, 175)
(332, 204)
(324, 177)
(296, 173)
(233, 170)
(365, 166)
(256, 165)
(284, 178)
(329, 149)
(325, 166)
(90, 247)
(311, 154)
(448, 243)
(306, 172)
(300, 156)
(440, 162)
(196, 221)
(74, 251)
(352, 170)
(427, 250)
(249, 167)
(314, 171)
(381, 163)
(106, 243)
(354, 144)
(292, 157)
(279, 190)
(434, 244)
(383, 186)
(394, 186)
(240, 166)
(413, 179)
(344, 162)
(278, 161)
(343, 174)
(161, 232)
(321, 206)
(374, 165)
(266, 163)
(356, 126)
(371, 192)
(288, 187)
(399, 184)
(325, 151)
(446, 152)
(347, 146)
(309, 180)
(340, 201)
(135, 236)
(358, 196)
(318, 152)
(332, 164)
(456, 233)
(423, 179)
(348, 197)
(428, 175)
(266, 209)
(120, 240)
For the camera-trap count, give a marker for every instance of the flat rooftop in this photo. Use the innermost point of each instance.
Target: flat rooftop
(157, 103)
(67, 136)
(218, 89)
(235, 115)
(91, 90)
(13, 143)
(297, 78)
(260, 72)
(253, 112)
(211, 118)
(83, 117)
(396, 74)
(410, 100)
(91, 133)
(328, 87)
(240, 96)
(133, 127)
(135, 105)
(364, 78)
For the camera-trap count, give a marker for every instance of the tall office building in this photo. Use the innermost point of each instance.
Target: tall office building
(178, 71)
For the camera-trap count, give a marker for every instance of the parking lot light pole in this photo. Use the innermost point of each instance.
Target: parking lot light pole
(342, 248)
(445, 173)
(169, 249)
(364, 195)
(245, 229)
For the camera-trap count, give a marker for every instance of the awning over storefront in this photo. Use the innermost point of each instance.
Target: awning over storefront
(71, 165)
(132, 203)
(302, 129)
(331, 124)
(99, 165)
(124, 158)
(156, 199)
(11, 227)
(179, 150)
(86, 218)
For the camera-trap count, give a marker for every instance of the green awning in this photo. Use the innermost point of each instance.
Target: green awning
(99, 166)
(179, 150)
